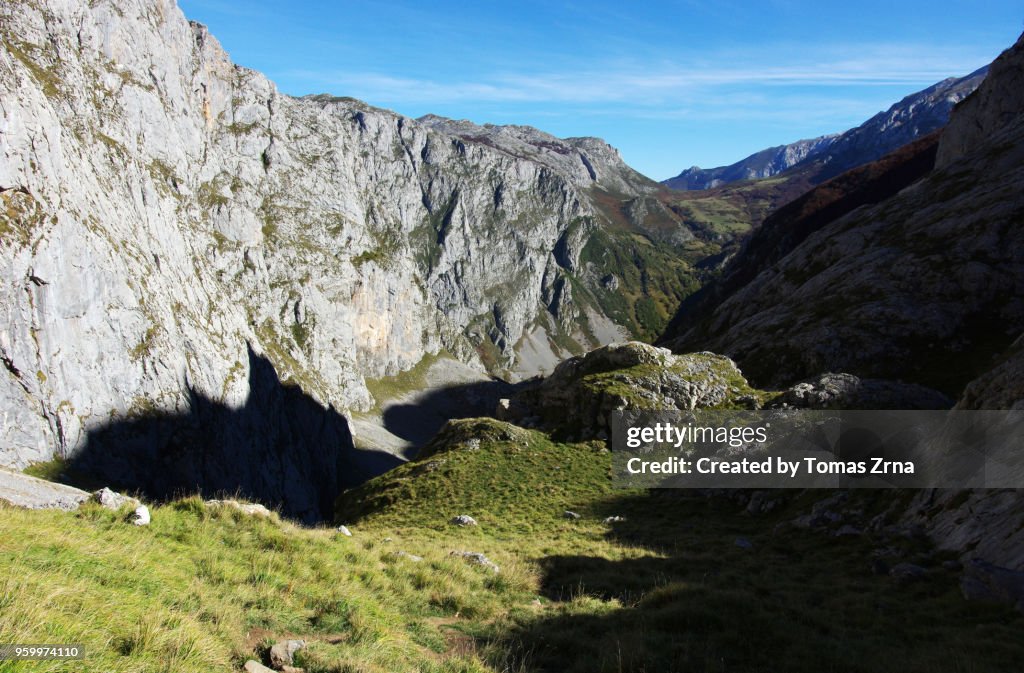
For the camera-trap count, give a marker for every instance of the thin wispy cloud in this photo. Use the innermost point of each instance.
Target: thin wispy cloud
(648, 86)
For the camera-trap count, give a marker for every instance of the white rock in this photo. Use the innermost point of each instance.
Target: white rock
(345, 531)
(463, 520)
(247, 507)
(141, 516)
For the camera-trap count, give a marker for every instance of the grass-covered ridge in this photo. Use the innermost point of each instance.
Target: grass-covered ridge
(511, 480)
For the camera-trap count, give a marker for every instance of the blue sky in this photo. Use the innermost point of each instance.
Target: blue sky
(671, 84)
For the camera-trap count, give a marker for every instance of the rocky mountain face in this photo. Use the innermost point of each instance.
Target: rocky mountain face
(169, 215)
(789, 225)
(923, 285)
(827, 156)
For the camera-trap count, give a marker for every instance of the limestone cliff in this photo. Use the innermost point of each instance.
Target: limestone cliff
(165, 210)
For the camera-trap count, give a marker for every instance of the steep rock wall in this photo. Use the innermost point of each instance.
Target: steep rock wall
(165, 210)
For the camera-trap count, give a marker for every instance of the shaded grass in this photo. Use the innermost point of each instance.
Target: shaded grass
(794, 601)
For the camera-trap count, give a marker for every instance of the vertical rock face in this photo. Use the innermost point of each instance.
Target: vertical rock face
(991, 110)
(165, 210)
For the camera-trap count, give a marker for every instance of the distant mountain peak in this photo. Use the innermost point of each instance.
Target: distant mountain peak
(913, 116)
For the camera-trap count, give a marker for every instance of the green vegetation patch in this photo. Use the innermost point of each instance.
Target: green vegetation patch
(411, 380)
(641, 283)
(513, 481)
(29, 55)
(20, 216)
(205, 588)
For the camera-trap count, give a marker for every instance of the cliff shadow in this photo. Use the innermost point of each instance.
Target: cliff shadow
(418, 419)
(281, 448)
(699, 584)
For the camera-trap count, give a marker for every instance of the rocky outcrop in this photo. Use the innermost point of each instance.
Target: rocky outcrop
(979, 524)
(165, 211)
(923, 286)
(983, 525)
(22, 490)
(845, 391)
(991, 110)
(587, 162)
(1001, 387)
(577, 399)
(825, 157)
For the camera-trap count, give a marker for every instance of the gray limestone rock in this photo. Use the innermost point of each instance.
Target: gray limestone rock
(169, 216)
(282, 653)
(253, 666)
(252, 508)
(988, 582)
(846, 391)
(113, 500)
(22, 490)
(476, 558)
(582, 392)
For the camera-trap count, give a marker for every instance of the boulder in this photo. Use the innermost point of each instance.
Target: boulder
(987, 582)
(905, 573)
(846, 391)
(476, 558)
(246, 507)
(581, 394)
(113, 500)
(140, 517)
(463, 520)
(282, 653)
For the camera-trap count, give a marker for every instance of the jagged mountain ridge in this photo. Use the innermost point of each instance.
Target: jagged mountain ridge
(762, 164)
(579, 157)
(825, 157)
(166, 210)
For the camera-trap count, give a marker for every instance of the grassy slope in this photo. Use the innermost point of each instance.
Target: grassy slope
(669, 589)
(666, 590)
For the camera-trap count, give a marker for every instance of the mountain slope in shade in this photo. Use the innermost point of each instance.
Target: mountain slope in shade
(924, 285)
(827, 156)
